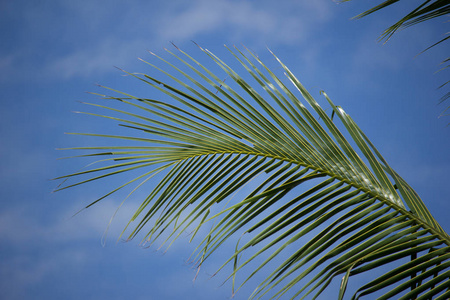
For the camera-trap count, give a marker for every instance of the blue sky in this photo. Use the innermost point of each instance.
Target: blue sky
(52, 52)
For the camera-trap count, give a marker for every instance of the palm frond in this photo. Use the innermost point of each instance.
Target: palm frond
(249, 159)
(428, 10)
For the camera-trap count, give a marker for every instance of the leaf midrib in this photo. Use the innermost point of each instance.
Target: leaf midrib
(441, 235)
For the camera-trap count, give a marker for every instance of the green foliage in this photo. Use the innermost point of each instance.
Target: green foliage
(428, 10)
(248, 159)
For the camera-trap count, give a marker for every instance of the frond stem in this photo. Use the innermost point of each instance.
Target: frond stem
(361, 188)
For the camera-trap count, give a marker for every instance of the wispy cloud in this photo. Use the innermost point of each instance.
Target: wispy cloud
(98, 38)
(283, 22)
(98, 59)
(23, 270)
(37, 250)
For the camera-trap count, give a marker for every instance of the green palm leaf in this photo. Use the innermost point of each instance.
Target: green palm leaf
(253, 160)
(428, 10)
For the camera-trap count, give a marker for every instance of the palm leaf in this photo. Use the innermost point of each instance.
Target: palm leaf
(428, 10)
(312, 199)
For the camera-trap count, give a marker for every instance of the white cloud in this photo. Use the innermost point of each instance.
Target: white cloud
(23, 270)
(275, 22)
(100, 38)
(209, 16)
(99, 59)
(42, 248)
(60, 226)
(71, 225)
(62, 244)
